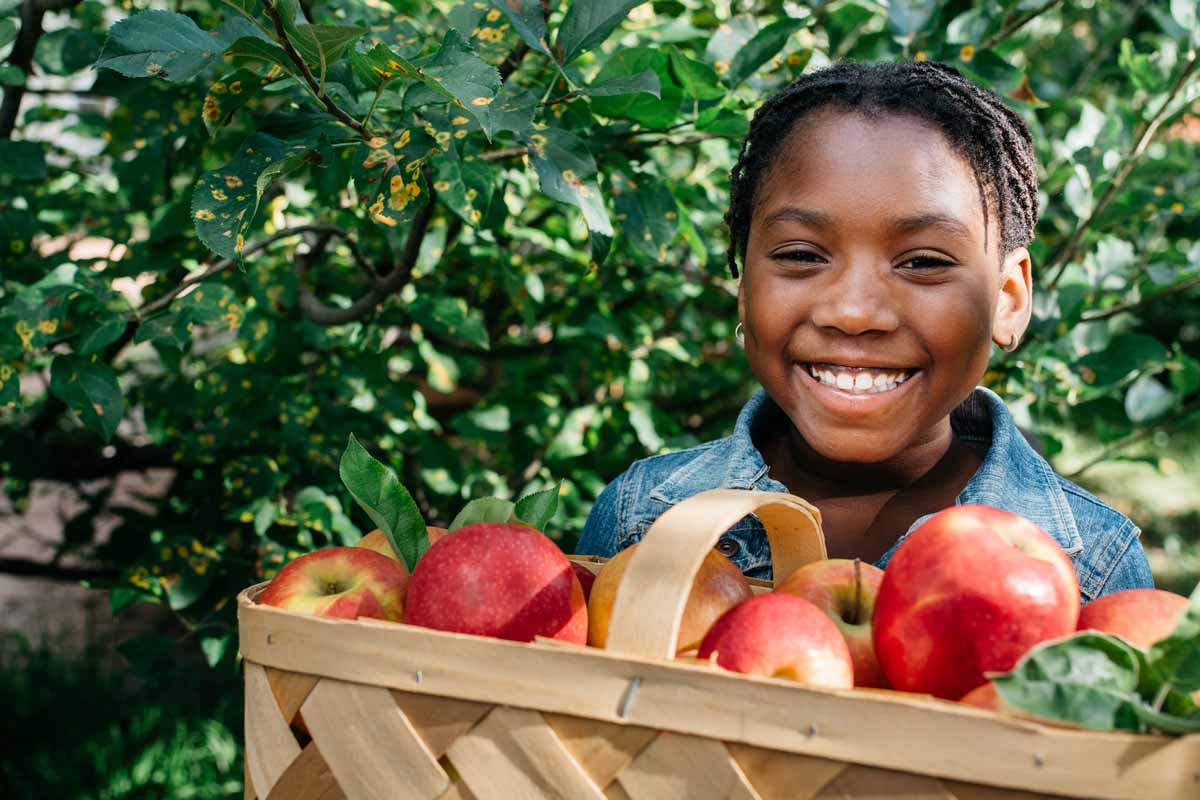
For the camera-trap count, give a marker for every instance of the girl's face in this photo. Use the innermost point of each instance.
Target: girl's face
(872, 289)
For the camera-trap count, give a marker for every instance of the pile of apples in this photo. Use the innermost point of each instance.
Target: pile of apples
(967, 594)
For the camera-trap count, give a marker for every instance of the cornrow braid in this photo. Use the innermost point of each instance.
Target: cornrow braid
(990, 136)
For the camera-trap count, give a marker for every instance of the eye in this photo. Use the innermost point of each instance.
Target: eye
(803, 256)
(926, 263)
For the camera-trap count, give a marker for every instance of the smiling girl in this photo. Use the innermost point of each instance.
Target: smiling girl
(881, 213)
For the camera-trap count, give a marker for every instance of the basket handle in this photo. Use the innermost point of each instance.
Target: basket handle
(645, 618)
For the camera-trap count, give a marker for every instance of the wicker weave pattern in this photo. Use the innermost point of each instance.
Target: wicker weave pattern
(316, 738)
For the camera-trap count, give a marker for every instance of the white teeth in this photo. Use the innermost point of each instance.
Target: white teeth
(857, 380)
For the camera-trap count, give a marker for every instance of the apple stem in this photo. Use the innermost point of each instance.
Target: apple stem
(854, 620)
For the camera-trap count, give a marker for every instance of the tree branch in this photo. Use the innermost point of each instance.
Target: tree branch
(1121, 308)
(21, 57)
(323, 314)
(1018, 23)
(318, 92)
(1067, 252)
(38, 569)
(1136, 437)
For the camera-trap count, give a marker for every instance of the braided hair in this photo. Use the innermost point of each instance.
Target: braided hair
(991, 137)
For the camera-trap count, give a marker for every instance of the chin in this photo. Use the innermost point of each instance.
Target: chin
(853, 446)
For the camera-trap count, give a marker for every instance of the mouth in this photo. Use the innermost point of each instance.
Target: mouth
(858, 380)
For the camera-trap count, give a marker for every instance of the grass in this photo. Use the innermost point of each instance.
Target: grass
(80, 728)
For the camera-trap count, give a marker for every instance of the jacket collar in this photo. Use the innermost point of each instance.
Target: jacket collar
(1012, 477)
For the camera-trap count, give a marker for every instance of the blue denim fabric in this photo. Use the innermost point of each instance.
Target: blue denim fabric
(1101, 542)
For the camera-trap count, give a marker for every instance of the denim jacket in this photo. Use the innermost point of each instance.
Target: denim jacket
(1101, 542)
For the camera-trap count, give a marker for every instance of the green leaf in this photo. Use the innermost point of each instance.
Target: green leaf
(588, 23)
(647, 213)
(528, 19)
(1089, 679)
(388, 175)
(483, 509)
(566, 172)
(643, 425)
(381, 65)
(762, 48)
(907, 17)
(10, 386)
(228, 95)
(159, 44)
(226, 199)
(657, 112)
(11, 76)
(644, 82)
(1176, 659)
(317, 44)
(452, 317)
(8, 31)
(538, 508)
(386, 501)
(25, 161)
(463, 181)
(1147, 400)
(466, 78)
(90, 388)
(99, 337)
(1125, 353)
(253, 48)
(67, 50)
(698, 79)
(1144, 70)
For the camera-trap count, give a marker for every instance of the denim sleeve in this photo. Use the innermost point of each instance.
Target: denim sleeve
(603, 523)
(1132, 570)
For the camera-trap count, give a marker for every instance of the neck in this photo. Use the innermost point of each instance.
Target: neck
(927, 460)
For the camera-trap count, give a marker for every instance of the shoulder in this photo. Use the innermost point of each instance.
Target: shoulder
(1112, 557)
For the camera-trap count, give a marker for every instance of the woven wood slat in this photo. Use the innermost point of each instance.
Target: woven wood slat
(514, 754)
(440, 721)
(602, 749)
(270, 746)
(290, 689)
(370, 745)
(859, 783)
(975, 791)
(615, 791)
(308, 778)
(784, 776)
(679, 767)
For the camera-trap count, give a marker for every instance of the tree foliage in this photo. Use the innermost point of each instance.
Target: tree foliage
(485, 238)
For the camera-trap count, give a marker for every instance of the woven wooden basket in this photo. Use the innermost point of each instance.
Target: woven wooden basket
(378, 710)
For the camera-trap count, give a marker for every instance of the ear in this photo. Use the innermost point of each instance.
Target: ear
(1015, 301)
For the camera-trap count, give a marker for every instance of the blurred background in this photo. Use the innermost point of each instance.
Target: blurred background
(502, 271)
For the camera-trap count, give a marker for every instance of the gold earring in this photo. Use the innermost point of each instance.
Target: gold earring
(1012, 344)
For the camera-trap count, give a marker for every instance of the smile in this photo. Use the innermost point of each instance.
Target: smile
(858, 380)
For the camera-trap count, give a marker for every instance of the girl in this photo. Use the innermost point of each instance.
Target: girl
(881, 213)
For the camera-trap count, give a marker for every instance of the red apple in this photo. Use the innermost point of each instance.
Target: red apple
(1141, 617)
(718, 586)
(586, 579)
(377, 541)
(845, 590)
(781, 636)
(498, 579)
(345, 582)
(970, 592)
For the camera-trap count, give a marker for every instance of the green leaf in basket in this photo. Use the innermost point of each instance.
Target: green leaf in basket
(1176, 659)
(386, 501)
(1090, 679)
(483, 509)
(537, 509)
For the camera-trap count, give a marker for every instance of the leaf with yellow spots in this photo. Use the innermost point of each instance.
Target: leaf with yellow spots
(389, 180)
(160, 44)
(90, 388)
(228, 95)
(222, 223)
(464, 181)
(567, 173)
(253, 48)
(381, 65)
(648, 215)
(457, 73)
(529, 20)
(10, 385)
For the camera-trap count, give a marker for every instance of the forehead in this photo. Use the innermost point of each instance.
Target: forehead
(850, 164)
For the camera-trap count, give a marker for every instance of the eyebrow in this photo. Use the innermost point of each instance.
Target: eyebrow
(899, 225)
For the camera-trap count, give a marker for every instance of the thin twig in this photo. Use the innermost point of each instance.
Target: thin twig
(1018, 23)
(1121, 308)
(226, 263)
(1065, 254)
(333, 108)
(1136, 437)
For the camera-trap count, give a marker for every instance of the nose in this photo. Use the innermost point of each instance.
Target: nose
(857, 300)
